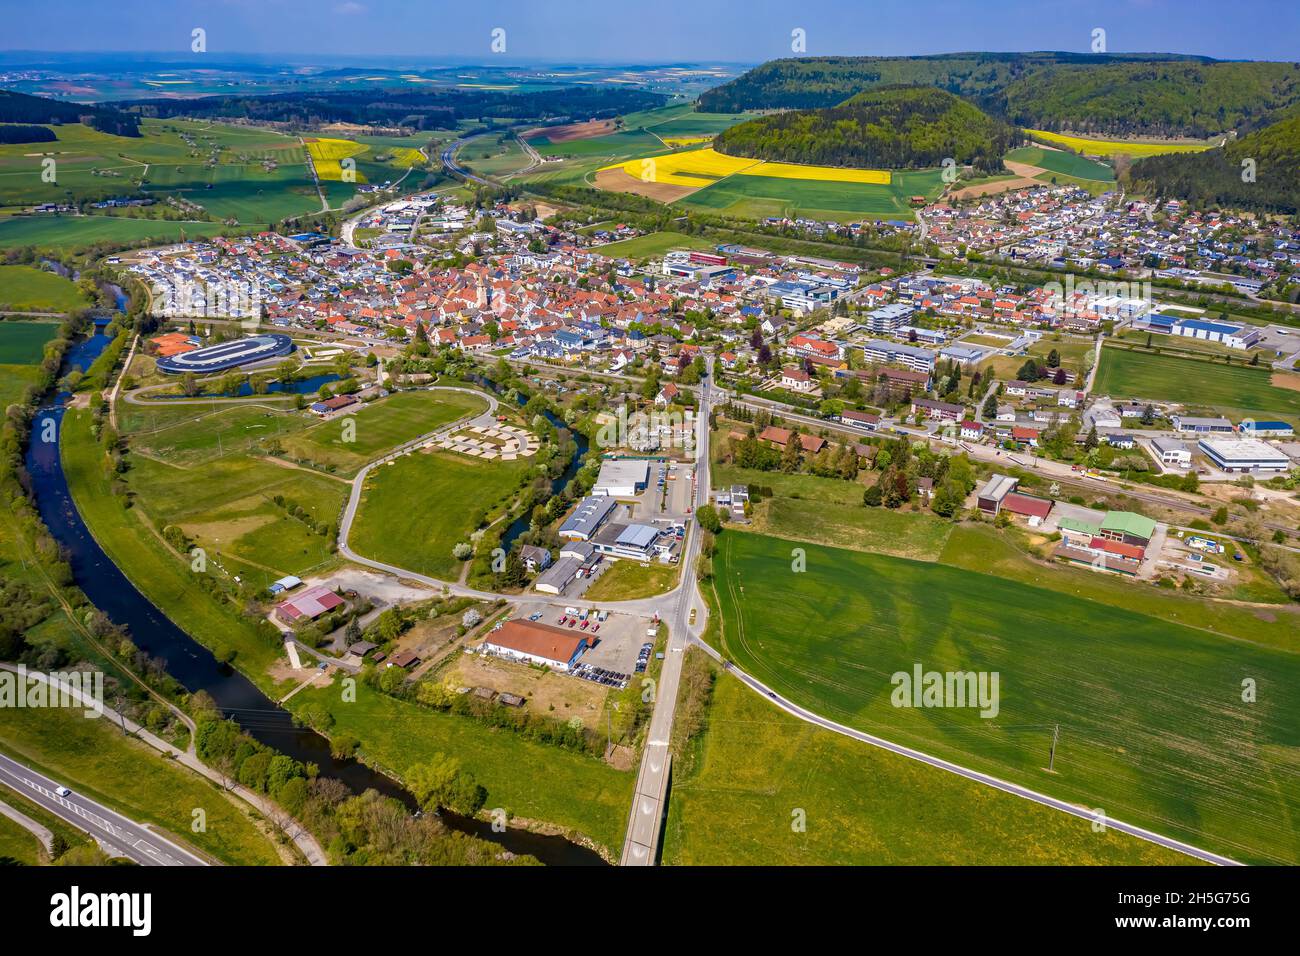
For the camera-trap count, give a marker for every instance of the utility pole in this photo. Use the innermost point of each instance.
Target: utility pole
(1051, 759)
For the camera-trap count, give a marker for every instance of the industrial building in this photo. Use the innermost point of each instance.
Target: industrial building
(586, 519)
(534, 643)
(623, 478)
(1244, 455)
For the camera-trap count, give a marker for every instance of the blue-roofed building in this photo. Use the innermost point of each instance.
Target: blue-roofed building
(1254, 429)
(1232, 335)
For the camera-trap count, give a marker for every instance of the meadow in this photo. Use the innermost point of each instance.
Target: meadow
(23, 342)
(754, 764)
(28, 289)
(1110, 147)
(1236, 390)
(531, 780)
(415, 510)
(162, 575)
(132, 778)
(63, 232)
(1153, 729)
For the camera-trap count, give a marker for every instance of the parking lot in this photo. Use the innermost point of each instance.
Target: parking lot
(618, 638)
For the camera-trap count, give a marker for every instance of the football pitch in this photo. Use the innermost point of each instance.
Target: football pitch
(1235, 390)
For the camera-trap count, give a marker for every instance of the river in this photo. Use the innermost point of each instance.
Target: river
(196, 668)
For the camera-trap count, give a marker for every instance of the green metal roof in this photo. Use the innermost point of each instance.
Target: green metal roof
(1074, 524)
(1128, 522)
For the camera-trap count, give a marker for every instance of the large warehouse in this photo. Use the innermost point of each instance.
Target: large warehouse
(534, 643)
(622, 478)
(1243, 455)
(227, 355)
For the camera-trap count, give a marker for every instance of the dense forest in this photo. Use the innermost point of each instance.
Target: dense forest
(894, 127)
(417, 109)
(1153, 95)
(21, 108)
(19, 133)
(1222, 177)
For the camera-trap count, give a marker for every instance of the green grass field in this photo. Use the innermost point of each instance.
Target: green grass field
(161, 575)
(654, 244)
(93, 757)
(23, 343)
(24, 288)
(1060, 161)
(1153, 728)
(1235, 390)
(379, 427)
(756, 765)
(529, 780)
(626, 580)
(69, 231)
(415, 510)
(17, 843)
(760, 196)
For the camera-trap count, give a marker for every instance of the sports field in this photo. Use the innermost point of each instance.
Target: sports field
(653, 244)
(27, 289)
(1153, 729)
(376, 428)
(1113, 147)
(415, 510)
(756, 764)
(1235, 390)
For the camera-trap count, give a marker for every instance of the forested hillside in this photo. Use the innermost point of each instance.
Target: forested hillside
(1214, 178)
(1148, 94)
(417, 109)
(21, 108)
(893, 127)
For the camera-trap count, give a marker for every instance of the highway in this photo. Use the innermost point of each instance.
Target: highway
(454, 168)
(125, 837)
(977, 776)
(641, 843)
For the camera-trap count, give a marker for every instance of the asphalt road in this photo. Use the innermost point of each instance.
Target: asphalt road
(127, 838)
(641, 844)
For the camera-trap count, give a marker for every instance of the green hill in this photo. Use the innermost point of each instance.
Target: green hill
(1214, 177)
(893, 127)
(1147, 94)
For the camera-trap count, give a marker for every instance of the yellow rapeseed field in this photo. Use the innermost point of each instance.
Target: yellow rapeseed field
(704, 167)
(834, 174)
(333, 148)
(697, 167)
(1106, 147)
(325, 156)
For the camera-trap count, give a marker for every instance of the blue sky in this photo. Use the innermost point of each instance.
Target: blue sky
(652, 30)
